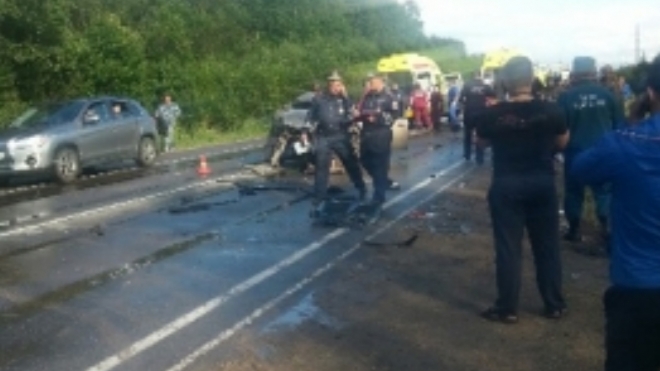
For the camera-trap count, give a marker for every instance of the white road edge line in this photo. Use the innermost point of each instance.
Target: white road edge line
(114, 206)
(201, 311)
(246, 321)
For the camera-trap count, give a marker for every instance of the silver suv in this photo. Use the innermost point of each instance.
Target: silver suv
(63, 138)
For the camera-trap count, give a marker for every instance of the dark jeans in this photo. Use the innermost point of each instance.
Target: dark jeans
(469, 125)
(632, 329)
(517, 203)
(341, 146)
(574, 193)
(375, 156)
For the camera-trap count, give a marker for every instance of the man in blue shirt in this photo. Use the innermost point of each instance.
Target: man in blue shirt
(452, 99)
(629, 159)
(591, 111)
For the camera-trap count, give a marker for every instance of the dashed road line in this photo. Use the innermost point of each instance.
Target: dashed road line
(213, 304)
(259, 312)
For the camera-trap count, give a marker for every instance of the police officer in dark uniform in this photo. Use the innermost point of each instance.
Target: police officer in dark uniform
(331, 115)
(375, 112)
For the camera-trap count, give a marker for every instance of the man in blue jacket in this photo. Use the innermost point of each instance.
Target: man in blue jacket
(591, 111)
(629, 159)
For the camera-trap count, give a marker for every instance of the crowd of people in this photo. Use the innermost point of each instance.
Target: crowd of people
(616, 155)
(607, 145)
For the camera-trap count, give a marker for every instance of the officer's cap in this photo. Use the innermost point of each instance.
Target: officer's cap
(334, 76)
(584, 66)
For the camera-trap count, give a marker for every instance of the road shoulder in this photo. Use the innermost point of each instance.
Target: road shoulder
(416, 308)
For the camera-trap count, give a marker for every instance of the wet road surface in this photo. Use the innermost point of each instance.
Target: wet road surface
(36, 187)
(157, 273)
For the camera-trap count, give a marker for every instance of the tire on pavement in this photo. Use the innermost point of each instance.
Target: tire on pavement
(147, 152)
(66, 165)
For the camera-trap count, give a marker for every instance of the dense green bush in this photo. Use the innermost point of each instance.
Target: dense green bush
(224, 61)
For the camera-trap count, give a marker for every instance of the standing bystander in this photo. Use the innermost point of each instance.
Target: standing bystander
(168, 114)
(591, 111)
(630, 160)
(525, 133)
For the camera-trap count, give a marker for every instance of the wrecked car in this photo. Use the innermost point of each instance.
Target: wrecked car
(284, 139)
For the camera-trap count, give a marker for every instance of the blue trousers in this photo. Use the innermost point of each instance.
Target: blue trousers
(574, 193)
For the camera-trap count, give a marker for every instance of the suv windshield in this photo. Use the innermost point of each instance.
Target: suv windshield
(302, 105)
(49, 114)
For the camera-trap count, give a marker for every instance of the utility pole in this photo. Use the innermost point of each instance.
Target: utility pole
(637, 44)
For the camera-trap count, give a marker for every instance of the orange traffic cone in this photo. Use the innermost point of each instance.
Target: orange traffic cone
(203, 169)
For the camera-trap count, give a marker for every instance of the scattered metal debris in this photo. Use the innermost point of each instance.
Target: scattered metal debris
(407, 243)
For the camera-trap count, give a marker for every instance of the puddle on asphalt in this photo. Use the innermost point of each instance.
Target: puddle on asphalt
(305, 310)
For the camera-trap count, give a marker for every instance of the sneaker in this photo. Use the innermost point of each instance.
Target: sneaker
(555, 313)
(394, 186)
(498, 315)
(573, 236)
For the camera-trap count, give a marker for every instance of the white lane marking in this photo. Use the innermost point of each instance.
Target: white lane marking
(131, 169)
(118, 205)
(246, 321)
(190, 317)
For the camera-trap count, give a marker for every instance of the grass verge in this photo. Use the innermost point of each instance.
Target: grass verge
(204, 135)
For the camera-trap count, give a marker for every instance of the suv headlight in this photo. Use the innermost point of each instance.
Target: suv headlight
(35, 141)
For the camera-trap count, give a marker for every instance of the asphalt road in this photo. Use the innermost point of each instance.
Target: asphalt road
(157, 272)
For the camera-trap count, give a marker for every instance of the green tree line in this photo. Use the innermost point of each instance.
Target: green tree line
(224, 60)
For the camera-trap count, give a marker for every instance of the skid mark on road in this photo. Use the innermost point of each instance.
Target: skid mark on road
(70, 291)
(213, 304)
(27, 309)
(259, 312)
(60, 221)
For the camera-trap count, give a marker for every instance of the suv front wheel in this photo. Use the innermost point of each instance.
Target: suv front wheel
(147, 152)
(66, 165)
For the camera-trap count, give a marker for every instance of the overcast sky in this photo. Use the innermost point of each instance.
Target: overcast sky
(549, 31)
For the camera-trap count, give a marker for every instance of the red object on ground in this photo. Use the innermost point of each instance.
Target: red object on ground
(203, 169)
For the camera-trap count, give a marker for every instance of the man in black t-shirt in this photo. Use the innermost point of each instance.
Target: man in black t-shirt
(525, 133)
(473, 97)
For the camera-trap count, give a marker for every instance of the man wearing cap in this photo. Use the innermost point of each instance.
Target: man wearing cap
(524, 133)
(331, 116)
(629, 159)
(591, 111)
(375, 112)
